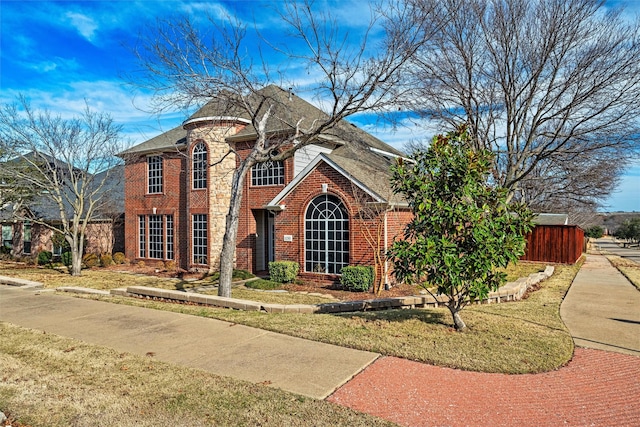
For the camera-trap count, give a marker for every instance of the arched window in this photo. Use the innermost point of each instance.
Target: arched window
(326, 235)
(200, 166)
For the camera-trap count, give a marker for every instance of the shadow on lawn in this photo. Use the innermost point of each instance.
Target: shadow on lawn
(432, 316)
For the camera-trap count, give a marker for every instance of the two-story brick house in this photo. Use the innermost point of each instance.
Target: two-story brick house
(328, 206)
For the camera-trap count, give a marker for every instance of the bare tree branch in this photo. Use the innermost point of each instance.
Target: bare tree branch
(182, 65)
(541, 83)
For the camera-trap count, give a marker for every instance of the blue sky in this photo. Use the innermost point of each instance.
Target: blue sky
(61, 53)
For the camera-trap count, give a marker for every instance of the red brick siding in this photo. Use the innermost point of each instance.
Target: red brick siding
(171, 202)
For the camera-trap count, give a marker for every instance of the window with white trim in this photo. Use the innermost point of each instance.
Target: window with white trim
(268, 173)
(326, 235)
(156, 241)
(142, 236)
(154, 171)
(169, 228)
(199, 245)
(155, 236)
(199, 167)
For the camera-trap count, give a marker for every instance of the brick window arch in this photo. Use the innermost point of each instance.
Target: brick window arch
(199, 167)
(326, 235)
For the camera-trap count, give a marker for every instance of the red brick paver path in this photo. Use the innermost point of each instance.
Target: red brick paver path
(597, 388)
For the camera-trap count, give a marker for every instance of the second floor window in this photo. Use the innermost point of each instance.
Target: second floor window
(200, 166)
(267, 173)
(154, 168)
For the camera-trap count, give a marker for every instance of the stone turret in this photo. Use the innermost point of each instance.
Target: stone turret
(215, 198)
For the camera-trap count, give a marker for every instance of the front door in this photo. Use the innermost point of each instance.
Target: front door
(265, 250)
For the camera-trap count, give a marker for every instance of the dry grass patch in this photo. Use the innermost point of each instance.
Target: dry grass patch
(629, 269)
(52, 381)
(98, 278)
(521, 337)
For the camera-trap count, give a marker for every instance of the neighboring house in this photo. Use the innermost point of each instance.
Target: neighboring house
(25, 235)
(311, 208)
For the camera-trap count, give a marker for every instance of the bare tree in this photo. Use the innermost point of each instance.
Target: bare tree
(184, 66)
(551, 86)
(68, 165)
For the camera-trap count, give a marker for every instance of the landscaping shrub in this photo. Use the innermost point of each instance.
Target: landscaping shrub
(357, 278)
(90, 260)
(66, 258)
(283, 271)
(267, 285)
(119, 258)
(170, 265)
(106, 260)
(44, 258)
(595, 232)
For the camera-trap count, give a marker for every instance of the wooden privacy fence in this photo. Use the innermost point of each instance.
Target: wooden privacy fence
(555, 243)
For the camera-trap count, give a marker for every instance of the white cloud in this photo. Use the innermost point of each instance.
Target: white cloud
(85, 25)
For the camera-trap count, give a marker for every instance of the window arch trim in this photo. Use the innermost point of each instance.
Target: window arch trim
(199, 163)
(326, 235)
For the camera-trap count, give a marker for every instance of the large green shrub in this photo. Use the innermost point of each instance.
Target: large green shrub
(357, 278)
(283, 271)
(44, 258)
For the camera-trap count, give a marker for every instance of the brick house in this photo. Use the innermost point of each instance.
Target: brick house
(27, 230)
(328, 206)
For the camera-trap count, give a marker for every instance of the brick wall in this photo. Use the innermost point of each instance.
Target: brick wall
(172, 201)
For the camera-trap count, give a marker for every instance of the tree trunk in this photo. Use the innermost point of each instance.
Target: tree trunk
(231, 230)
(457, 320)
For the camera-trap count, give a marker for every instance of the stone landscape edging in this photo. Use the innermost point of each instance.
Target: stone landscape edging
(511, 291)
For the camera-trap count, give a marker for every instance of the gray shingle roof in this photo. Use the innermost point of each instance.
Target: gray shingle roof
(551, 219)
(353, 153)
(170, 140)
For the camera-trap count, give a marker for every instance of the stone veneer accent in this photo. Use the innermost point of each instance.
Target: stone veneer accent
(220, 176)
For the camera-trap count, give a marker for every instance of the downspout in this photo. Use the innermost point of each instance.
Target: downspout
(386, 262)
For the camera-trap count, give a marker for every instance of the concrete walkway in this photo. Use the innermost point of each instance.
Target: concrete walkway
(300, 366)
(602, 309)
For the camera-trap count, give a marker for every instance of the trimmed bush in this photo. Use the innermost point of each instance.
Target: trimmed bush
(119, 258)
(106, 260)
(357, 278)
(90, 260)
(283, 271)
(44, 258)
(169, 265)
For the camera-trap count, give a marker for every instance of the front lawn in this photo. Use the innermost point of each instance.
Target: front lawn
(520, 337)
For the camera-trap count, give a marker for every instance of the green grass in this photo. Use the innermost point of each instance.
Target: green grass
(53, 381)
(263, 284)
